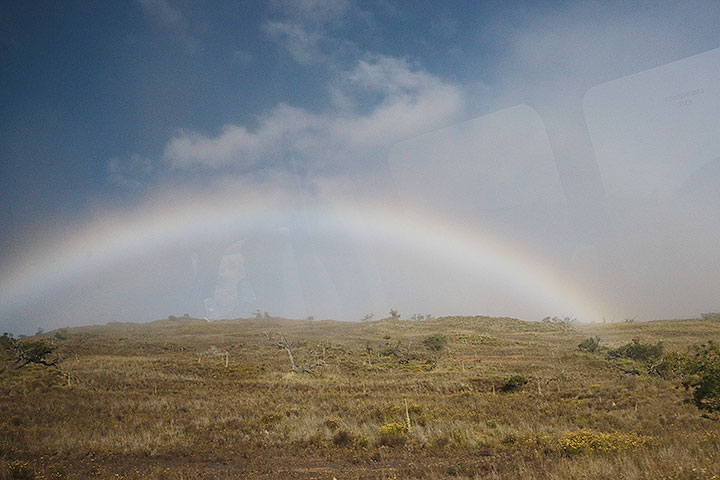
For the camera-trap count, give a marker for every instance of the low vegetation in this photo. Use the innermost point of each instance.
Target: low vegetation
(637, 350)
(436, 343)
(701, 370)
(591, 345)
(514, 383)
(453, 397)
(17, 353)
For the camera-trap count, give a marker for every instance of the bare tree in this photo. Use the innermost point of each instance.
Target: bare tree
(282, 342)
(565, 322)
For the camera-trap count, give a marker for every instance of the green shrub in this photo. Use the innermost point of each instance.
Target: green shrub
(700, 373)
(703, 377)
(672, 365)
(636, 350)
(436, 343)
(514, 383)
(591, 345)
(22, 352)
(61, 335)
(393, 434)
(7, 342)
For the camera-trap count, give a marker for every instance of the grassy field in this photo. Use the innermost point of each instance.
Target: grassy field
(388, 401)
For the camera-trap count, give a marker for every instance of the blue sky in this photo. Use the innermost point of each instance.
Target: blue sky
(110, 108)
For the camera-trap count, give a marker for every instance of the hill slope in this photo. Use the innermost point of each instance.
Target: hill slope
(158, 401)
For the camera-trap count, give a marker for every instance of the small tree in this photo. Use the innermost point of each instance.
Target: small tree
(24, 352)
(394, 314)
(436, 343)
(565, 322)
(703, 370)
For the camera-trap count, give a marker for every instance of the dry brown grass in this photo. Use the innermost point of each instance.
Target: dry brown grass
(152, 401)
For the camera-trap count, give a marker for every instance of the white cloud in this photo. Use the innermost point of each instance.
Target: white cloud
(390, 75)
(305, 28)
(284, 129)
(234, 145)
(410, 101)
(303, 45)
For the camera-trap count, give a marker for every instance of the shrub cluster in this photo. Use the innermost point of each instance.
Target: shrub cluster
(699, 370)
(636, 350)
(565, 321)
(514, 383)
(436, 343)
(393, 434)
(21, 352)
(671, 365)
(591, 345)
(702, 372)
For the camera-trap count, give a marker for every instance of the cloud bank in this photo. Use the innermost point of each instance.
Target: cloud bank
(408, 101)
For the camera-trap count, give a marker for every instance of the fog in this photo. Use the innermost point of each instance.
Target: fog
(577, 176)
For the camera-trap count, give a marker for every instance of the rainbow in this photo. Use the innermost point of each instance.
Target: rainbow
(117, 238)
